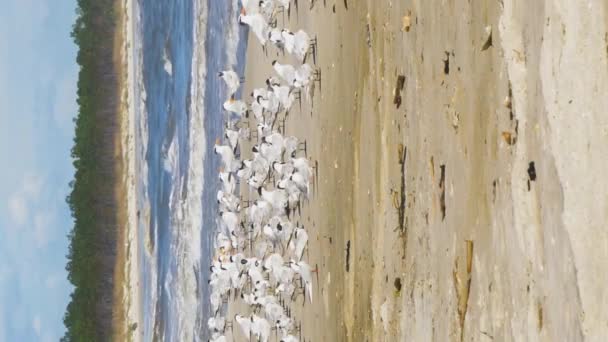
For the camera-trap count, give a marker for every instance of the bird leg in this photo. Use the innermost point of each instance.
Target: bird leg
(313, 46)
(317, 75)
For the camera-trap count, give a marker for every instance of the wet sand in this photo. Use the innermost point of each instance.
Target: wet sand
(486, 245)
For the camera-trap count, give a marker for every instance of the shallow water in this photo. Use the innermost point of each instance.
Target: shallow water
(179, 120)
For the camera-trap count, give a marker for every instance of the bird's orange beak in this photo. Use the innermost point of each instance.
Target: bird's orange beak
(217, 141)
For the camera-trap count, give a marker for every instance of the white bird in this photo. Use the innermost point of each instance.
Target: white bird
(263, 129)
(301, 182)
(233, 138)
(267, 8)
(288, 40)
(273, 311)
(228, 159)
(283, 169)
(237, 107)
(257, 23)
(215, 299)
(289, 338)
(259, 212)
(274, 263)
(258, 111)
(298, 242)
(286, 71)
(260, 328)
(284, 324)
(229, 221)
(284, 4)
(290, 145)
(222, 242)
(271, 102)
(302, 166)
(245, 324)
(276, 37)
(217, 337)
(277, 198)
(303, 76)
(304, 271)
(250, 6)
(285, 96)
(228, 182)
(216, 324)
(228, 201)
(301, 45)
(263, 92)
(232, 81)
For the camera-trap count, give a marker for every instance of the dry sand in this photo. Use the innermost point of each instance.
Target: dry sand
(482, 251)
(127, 311)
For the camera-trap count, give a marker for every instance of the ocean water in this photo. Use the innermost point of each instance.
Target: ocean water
(181, 45)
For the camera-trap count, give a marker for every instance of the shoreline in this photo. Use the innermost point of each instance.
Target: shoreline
(128, 317)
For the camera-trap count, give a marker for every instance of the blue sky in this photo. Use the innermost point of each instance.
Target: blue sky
(38, 77)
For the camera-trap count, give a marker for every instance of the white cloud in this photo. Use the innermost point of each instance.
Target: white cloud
(37, 325)
(18, 209)
(19, 203)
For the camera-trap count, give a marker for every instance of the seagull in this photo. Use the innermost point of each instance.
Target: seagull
(245, 324)
(228, 159)
(284, 4)
(259, 212)
(232, 81)
(283, 169)
(301, 45)
(229, 220)
(260, 328)
(274, 264)
(302, 166)
(277, 198)
(270, 152)
(284, 324)
(285, 96)
(276, 37)
(228, 182)
(237, 107)
(301, 182)
(298, 243)
(286, 71)
(289, 338)
(216, 324)
(304, 271)
(288, 40)
(228, 201)
(216, 337)
(257, 23)
(233, 138)
(303, 75)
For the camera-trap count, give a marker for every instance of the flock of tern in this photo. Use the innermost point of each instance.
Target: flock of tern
(259, 250)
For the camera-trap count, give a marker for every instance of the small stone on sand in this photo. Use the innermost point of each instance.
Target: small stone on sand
(406, 23)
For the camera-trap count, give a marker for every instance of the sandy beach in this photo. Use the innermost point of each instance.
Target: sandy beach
(127, 312)
(474, 209)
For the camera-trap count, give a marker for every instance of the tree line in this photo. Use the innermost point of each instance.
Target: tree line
(91, 255)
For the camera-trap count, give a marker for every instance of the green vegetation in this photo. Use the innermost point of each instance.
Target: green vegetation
(92, 252)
